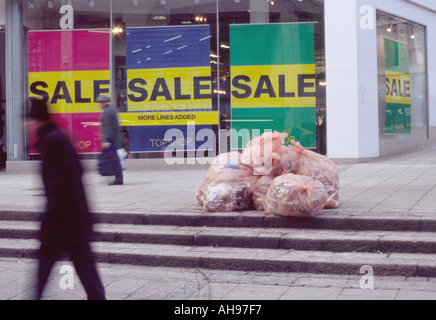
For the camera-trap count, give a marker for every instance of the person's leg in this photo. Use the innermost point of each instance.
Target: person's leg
(83, 260)
(47, 258)
(119, 179)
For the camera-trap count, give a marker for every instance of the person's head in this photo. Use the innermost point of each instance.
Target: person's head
(103, 101)
(38, 114)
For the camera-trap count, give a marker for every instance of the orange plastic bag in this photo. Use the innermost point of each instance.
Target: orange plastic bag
(296, 196)
(320, 168)
(228, 185)
(260, 190)
(261, 152)
(289, 159)
(223, 162)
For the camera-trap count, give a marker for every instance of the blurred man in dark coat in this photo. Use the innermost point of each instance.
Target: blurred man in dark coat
(67, 223)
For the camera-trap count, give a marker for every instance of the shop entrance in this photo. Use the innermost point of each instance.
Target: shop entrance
(2, 99)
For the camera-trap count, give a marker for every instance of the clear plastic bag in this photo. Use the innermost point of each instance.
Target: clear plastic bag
(322, 169)
(294, 195)
(260, 190)
(261, 152)
(289, 159)
(222, 162)
(226, 197)
(228, 185)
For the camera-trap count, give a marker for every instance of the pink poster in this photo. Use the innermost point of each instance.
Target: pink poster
(68, 69)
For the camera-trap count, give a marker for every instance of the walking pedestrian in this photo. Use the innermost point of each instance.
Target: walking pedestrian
(110, 131)
(67, 224)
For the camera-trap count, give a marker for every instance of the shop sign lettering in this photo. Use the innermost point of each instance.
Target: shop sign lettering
(398, 86)
(41, 90)
(244, 86)
(264, 85)
(160, 89)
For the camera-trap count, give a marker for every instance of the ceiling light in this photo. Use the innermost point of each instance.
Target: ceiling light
(117, 30)
(135, 2)
(30, 4)
(158, 13)
(91, 3)
(389, 29)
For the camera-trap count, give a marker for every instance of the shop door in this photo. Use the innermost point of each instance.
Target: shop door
(2, 100)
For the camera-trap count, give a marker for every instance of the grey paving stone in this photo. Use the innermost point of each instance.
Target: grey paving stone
(311, 293)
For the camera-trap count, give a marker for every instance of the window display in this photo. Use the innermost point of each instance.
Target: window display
(175, 71)
(403, 110)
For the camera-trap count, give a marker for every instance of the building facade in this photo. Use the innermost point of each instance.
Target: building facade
(351, 79)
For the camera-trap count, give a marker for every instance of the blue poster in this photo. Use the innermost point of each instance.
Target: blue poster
(168, 47)
(168, 71)
(159, 138)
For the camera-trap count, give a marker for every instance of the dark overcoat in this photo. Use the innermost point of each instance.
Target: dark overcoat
(67, 218)
(110, 127)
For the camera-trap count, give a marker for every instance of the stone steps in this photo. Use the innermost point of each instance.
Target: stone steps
(272, 238)
(252, 219)
(246, 259)
(250, 241)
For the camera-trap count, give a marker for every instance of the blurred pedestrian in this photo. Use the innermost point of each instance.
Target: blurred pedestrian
(67, 224)
(110, 132)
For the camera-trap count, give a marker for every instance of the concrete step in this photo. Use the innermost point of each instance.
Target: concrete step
(328, 219)
(252, 241)
(271, 238)
(246, 259)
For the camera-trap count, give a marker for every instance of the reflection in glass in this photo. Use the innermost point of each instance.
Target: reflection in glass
(403, 110)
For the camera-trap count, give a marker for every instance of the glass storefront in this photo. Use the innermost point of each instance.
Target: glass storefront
(192, 77)
(2, 98)
(403, 106)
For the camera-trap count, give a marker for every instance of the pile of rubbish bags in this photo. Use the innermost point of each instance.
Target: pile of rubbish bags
(269, 176)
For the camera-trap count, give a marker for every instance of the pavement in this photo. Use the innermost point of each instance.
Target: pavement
(398, 186)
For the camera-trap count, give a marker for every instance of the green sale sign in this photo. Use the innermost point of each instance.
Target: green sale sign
(398, 91)
(273, 81)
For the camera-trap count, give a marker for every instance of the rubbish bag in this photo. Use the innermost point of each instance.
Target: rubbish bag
(289, 159)
(228, 185)
(294, 195)
(232, 190)
(322, 169)
(222, 162)
(260, 152)
(109, 162)
(226, 197)
(260, 190)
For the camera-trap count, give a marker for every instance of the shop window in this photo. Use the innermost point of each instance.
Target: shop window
(68, 64)
(402, 74)
(174, 68)
(166, 77)
(262, 92)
